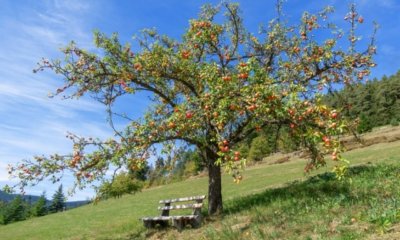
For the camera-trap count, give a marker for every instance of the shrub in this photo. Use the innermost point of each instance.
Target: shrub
(259, 149)
(123, 184)
(394, 122)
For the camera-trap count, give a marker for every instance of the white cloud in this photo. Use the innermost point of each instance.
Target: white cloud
(30, 122)
(72, 5)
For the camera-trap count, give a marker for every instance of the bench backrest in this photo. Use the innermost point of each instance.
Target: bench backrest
(196, 206)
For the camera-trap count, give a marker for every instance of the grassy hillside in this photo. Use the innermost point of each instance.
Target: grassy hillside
(253, 211)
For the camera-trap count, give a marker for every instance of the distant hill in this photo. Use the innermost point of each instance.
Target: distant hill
(6, 197)
(74, 204)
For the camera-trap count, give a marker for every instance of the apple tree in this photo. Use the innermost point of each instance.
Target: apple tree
(210, 90)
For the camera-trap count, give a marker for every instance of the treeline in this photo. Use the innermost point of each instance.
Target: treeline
(374, 104)
(20, 209)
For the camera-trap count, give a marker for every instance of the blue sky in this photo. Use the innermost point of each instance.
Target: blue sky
(31, 123)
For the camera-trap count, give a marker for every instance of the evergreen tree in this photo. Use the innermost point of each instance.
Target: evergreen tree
(158, 172)
(58, 201)
(375, 103)
(15, 211)
(365, 124)
(40, 208)
(188, 163)
(383, 100)
(3, 207)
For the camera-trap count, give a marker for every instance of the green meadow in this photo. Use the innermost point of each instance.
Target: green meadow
(272, 202)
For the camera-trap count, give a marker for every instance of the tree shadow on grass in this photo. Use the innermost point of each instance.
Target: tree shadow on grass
(321, 186)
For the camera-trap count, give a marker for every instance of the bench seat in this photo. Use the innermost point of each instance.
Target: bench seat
(178, 221)
(166, 218)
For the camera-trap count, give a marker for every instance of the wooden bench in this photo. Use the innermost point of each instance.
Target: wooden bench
(178, 221)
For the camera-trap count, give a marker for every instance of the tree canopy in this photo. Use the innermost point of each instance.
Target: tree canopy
(210, 89)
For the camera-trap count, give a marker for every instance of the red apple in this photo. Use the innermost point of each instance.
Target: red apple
(189, 115)
(185, 54)
(137, 66)
(171, 125)
(243, 75)
(252, 107)
(226, 78)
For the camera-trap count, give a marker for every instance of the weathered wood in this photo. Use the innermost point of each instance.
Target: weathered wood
(184, 217)
(182, 206)
(165, 212)
(162, 218)
(183, 199)
(178, 221)
(196, 223)
(182, 221)
(153, 222)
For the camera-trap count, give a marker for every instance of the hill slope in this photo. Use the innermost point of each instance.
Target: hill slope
(9, 197)
(119, 218)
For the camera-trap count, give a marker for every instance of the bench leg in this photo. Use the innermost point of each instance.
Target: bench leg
(163, 224)
(196, 223)
(178, 223)
(149, 224)
(153, 223)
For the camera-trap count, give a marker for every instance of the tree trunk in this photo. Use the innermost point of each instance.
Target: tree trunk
(214, 188)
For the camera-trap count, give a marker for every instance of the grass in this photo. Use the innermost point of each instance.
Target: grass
(262, 206)
(318, 208)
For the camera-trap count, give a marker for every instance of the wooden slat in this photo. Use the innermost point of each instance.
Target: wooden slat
(179, 220)
(158, 218)
(182, 206)
(185, 216)
(165, 218)
(183, 199)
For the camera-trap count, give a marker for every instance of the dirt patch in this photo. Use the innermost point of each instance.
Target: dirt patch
(281, 160)
(244, 224)
(386, 134)
(391, 234)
